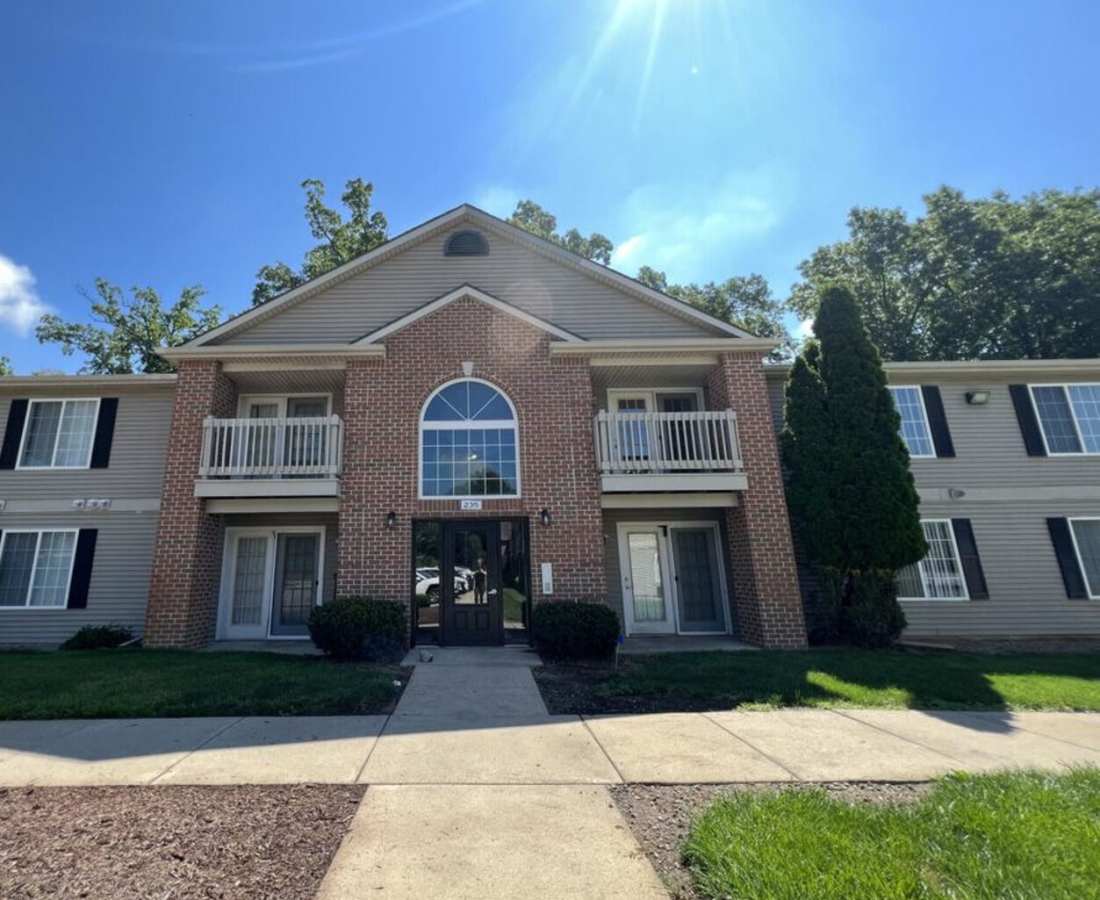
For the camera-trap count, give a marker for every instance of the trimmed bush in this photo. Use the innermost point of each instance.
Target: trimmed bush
(98, 637)
(360, 628)
(574, 630)
(873, 617)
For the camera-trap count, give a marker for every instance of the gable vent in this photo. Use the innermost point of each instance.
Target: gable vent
(466, 243)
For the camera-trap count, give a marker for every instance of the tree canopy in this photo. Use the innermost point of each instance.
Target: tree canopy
(130, 331)
(340, 239)
(5, 366)
(851, 493)
(745, 301)
(989, 278)
(531, 217)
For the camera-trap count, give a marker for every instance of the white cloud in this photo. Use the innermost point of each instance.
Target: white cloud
(20, 305)
(690, 232)
(497, 199)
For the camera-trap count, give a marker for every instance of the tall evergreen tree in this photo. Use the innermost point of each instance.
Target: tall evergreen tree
(851, 492)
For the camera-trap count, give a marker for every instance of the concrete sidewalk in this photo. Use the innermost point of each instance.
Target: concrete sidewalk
(477, 791)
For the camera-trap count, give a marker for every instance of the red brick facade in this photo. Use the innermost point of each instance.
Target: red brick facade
(761, 556)
(382, 404)
(183, 594)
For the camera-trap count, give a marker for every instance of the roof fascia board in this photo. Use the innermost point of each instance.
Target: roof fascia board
(251, 351)
(671, 345)
(1089, 366)
(81, 381)
(466, 290)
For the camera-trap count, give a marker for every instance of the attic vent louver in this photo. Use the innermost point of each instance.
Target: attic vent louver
(466, 243)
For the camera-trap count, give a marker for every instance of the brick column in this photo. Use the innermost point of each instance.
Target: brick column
(761, 556)
(183, 594)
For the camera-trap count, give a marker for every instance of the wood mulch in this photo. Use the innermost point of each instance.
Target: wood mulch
(569, 689)
(171, 842)
(660, 816)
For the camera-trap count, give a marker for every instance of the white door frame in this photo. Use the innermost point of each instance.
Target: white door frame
(262, 632)
(280, 400)
(667, 558)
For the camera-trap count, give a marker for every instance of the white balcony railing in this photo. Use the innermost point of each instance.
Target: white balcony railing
(272, 448)
(667, 442)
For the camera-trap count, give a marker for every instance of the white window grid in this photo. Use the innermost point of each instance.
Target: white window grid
(1083, 402)
(88, 415)
(915, 430)
(1093, 590)
(941, 572)
(51, 571)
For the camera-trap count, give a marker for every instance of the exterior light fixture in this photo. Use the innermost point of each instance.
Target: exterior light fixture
(977, 398)
(544, 516)
(391, 519)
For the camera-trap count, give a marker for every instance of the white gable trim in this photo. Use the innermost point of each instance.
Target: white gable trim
(441, 222)
(466, 290)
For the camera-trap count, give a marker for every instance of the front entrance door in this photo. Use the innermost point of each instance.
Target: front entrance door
(297, 582)
(647, 600)
(470, 583)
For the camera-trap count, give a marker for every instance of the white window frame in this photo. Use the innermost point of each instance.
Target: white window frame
(1093, 595)
(650, 394)
(57, 437)
(229, 568)
(34, 564)
(281, 400)
(664, 529)
(421, 426)
(924, 418)
(1065, 386)
(958, 561)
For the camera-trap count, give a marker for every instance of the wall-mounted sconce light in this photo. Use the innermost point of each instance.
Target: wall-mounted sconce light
(468, 368)
(391, 519)
(977, 398)
(544, 516)
(956, 493)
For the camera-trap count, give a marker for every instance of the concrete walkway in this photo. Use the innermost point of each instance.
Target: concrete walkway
(477, 791)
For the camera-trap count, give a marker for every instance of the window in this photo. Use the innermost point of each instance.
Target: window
(466, 243)
(36, 567)
(468, 445)
(914, 421)
(939, 576)
(1069, 415)
(59, 434)
(1086, 541)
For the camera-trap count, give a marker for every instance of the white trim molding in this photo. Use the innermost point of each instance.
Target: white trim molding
(474, 293)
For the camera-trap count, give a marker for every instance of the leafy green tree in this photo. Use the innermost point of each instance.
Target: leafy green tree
(989, 278)
(340, 239)
(851, 493)
(5, 366)
(129, 332)
(531, 217)
(743, 300)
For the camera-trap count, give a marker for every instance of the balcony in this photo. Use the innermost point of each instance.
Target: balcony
(269, 457)
(669, 451)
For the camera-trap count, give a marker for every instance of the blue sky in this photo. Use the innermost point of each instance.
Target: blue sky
(163, 144)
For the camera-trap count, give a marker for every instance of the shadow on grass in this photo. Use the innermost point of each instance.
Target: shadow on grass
(840, 678)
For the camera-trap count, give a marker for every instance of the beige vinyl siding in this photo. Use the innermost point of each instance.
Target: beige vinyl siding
(119, 586)
(1026, 593)
(612, 568)
(138, 451)
(1008, 496)
(536, 284)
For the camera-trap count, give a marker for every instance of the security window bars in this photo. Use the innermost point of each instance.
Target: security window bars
(939, 576)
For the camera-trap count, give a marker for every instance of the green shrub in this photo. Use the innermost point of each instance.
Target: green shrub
(574, 630)
(97, 637)
(360, 628)
(872, 617)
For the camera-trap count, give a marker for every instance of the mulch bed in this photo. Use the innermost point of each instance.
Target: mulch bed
(660, 815)
(569, 690)
(171, 842)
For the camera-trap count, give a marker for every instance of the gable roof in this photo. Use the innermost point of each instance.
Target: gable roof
(474, 293)
(421, 232)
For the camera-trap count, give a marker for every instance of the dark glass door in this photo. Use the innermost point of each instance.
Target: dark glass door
(297, 580)
(470, 583)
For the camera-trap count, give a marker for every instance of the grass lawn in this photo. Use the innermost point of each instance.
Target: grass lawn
(133, 683)
(1019, 835)
(896, 679)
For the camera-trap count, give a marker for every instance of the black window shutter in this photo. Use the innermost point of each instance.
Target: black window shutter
(937, 420)
(13, 434)
(1029, 423)
(104, 432)
(1072, 577)
(971, 562)
(82, 568)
